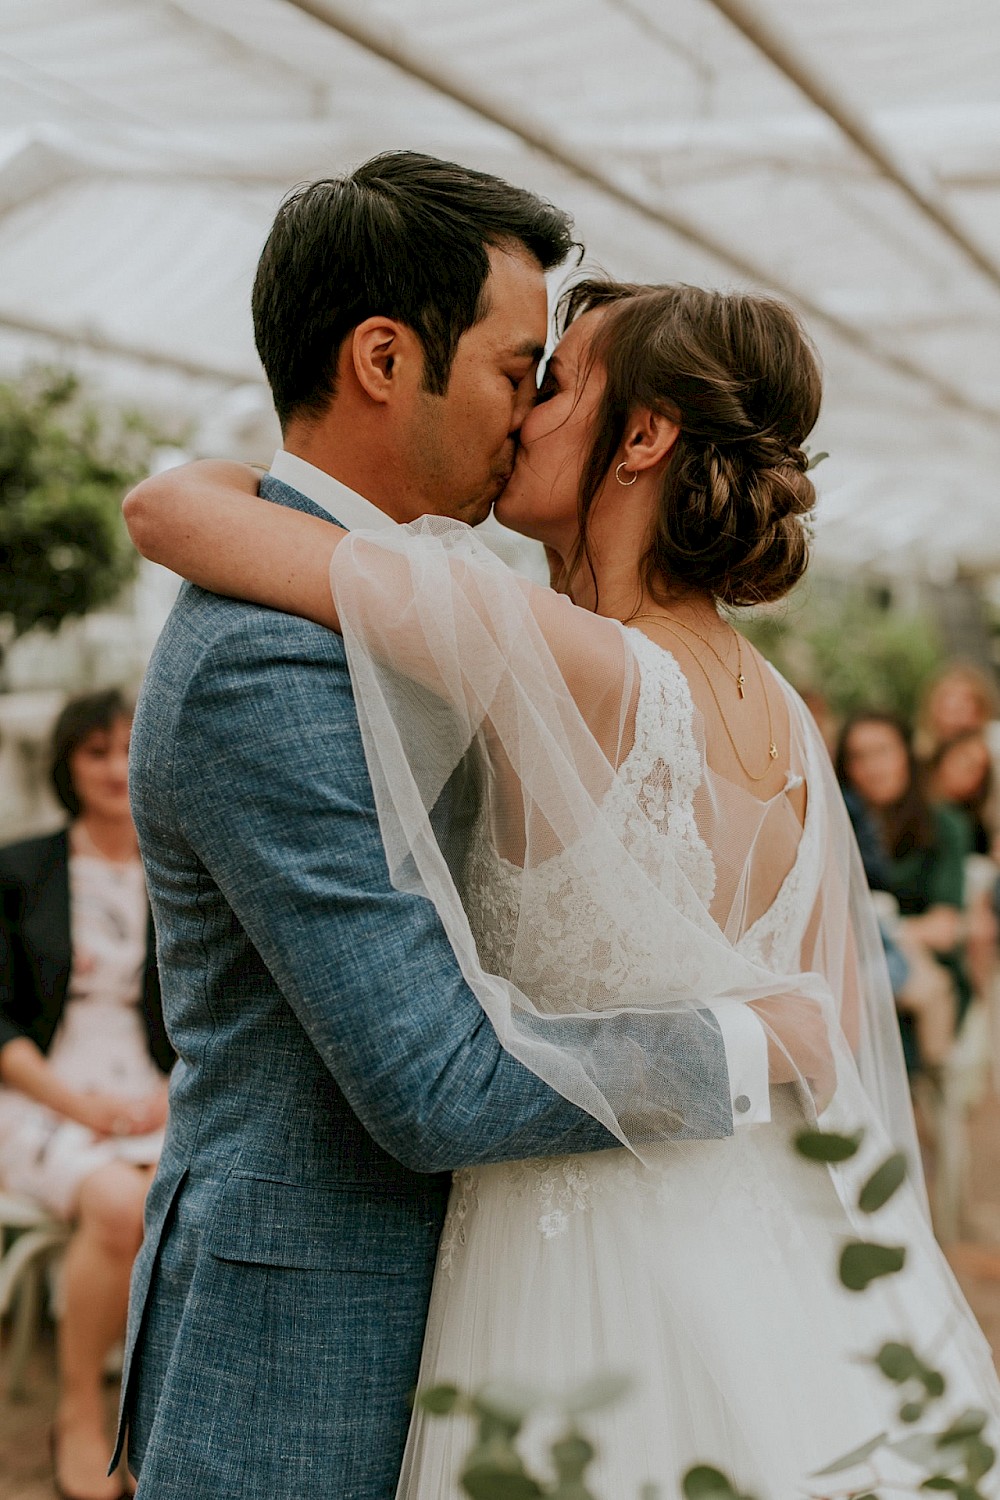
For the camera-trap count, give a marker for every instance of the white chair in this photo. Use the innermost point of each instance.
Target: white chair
(29, 1239)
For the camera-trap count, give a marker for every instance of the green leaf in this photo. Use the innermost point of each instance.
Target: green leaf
(852, 1459)
(969, 1424)
(814, 459)
(979, 1458)
(593, 1395)
(506, 1402)
(921, 1449)
(862, 1262)
(439, 1400)
(911, 1411)
(494, 1470)
(884, 1181)
(826, 1145)
(933, 1382)
(705, 1483)
(495, 1484)
(939, 1482)
(898, 1362)
(571, 1455)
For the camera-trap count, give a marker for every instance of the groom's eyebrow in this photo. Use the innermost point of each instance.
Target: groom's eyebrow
(529, 350)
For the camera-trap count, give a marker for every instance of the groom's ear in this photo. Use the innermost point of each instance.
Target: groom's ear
(385, 356)
(650, 438)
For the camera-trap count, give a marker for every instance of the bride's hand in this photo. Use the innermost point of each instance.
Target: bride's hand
(798, 1044)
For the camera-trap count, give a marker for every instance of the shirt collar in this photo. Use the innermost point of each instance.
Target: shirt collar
(345, 505)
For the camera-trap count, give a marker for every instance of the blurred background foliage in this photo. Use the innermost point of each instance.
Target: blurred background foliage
(848, 643)
(64, 467)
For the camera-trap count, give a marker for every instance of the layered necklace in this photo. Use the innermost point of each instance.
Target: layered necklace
(675, 627)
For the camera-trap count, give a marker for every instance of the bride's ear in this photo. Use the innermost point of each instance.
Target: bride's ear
(384, 355)
(650, 436)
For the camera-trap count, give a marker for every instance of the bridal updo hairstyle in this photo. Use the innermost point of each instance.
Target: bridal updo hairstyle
(740, 377)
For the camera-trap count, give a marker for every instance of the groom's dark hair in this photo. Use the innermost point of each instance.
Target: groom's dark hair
(403, 237)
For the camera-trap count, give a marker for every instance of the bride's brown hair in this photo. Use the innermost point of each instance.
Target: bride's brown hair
(740, 377)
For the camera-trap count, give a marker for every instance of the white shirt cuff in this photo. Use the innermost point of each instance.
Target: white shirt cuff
(745, 1041)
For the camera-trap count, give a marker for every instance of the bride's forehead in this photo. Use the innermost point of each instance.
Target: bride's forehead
(574, 346)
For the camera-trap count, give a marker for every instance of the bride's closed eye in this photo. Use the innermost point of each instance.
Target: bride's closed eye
(548, 387)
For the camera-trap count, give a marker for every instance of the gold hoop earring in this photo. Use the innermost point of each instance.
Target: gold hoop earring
(626, 484)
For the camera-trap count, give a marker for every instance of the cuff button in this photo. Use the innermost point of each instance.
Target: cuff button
(741, 1104)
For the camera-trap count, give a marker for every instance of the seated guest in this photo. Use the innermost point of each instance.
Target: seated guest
(876, 867)
(826, 720)
(83, 1059)
(959, 698)
(924, 846)
(960, 773)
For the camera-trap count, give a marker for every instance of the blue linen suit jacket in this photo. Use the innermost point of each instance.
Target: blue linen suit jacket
(333, 1068)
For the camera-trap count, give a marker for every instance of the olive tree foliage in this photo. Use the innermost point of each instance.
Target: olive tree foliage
(64, 467)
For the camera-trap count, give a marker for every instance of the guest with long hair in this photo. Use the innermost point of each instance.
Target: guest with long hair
(958, 698)
(83, 1059)
(960, 773)
(925, 845)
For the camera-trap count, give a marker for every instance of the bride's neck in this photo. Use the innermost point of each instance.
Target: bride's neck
(613, 586)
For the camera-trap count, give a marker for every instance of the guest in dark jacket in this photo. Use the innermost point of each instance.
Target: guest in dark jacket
(83, 1059)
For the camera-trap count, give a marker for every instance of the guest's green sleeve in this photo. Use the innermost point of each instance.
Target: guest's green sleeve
(954, 844)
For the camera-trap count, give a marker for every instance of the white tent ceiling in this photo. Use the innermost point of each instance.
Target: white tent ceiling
(847, 155)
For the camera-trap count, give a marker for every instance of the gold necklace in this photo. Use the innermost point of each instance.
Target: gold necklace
(772, 748)
(737, 676)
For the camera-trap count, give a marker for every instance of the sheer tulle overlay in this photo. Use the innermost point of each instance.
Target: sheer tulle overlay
(541, 775)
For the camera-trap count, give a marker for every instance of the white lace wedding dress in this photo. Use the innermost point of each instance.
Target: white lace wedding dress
(617, 877)
(706, 1271)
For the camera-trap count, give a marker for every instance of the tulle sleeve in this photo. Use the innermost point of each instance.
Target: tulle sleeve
(498, 720)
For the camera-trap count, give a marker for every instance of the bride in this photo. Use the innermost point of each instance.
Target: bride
(655, 816)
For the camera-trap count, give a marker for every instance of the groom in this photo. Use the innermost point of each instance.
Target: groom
(333, 1067)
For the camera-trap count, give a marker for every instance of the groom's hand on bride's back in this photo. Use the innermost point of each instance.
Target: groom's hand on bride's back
(798, 1043)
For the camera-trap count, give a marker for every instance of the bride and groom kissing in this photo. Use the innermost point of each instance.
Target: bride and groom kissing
(506, 933)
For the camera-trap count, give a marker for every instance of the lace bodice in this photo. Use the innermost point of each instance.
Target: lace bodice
(653, 801)
(581, 951)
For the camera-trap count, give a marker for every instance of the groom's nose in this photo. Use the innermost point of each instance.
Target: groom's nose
(527, 395)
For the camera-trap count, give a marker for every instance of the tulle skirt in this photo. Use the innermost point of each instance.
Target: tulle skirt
(709, 1274)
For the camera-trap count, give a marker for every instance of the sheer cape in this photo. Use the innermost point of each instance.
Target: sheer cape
(498, 720)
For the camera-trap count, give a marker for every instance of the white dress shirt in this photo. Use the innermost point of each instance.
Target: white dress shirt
(743, 1035)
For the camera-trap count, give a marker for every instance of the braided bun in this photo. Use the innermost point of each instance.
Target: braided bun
(739, 375)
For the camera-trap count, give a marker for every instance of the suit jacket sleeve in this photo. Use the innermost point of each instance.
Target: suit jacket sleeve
(273, 795)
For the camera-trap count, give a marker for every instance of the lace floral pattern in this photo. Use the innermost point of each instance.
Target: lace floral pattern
(464, 1196)
(577, 950)
(661, 775)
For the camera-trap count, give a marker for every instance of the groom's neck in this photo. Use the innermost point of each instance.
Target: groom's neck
(358, 461)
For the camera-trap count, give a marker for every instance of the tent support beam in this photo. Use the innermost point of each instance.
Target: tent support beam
(378, 37)
(744, 16)
(100, 344)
